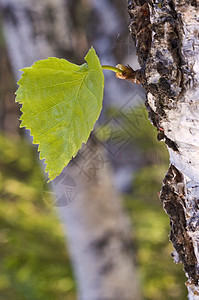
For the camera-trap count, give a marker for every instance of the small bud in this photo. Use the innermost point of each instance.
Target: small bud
(127, 73)
(121, 67)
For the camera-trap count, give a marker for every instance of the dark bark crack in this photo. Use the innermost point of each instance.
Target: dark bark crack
(140, 28)
(173, 199)
(170, 85)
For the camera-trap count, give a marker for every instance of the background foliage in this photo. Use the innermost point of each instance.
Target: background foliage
(34, 262)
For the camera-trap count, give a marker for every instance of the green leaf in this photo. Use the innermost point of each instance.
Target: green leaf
(61, 102)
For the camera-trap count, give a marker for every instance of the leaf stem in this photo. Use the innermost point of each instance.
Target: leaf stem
(110, 68)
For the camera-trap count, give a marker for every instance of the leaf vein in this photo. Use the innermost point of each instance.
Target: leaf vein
(57, 104)
(66, 116)
(50, 86)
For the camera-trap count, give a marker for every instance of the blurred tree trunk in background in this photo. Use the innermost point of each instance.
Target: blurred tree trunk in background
(98, 230)
(166, 34)
(8, 111)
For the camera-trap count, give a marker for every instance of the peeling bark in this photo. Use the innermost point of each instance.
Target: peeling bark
(174, 202)
(167, 41)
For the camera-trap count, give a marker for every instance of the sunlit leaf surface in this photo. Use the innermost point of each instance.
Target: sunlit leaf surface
(61, 102)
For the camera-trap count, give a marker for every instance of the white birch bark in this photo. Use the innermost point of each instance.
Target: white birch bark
(98, 230)
(167, 39)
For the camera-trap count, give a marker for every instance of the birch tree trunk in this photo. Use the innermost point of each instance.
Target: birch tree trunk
(167, 40)
(98, 232)
(98, 229)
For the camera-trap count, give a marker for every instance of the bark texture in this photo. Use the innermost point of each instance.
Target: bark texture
(167, 40)
(98, 230)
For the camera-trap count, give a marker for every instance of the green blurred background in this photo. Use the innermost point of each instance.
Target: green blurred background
(33, 259)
